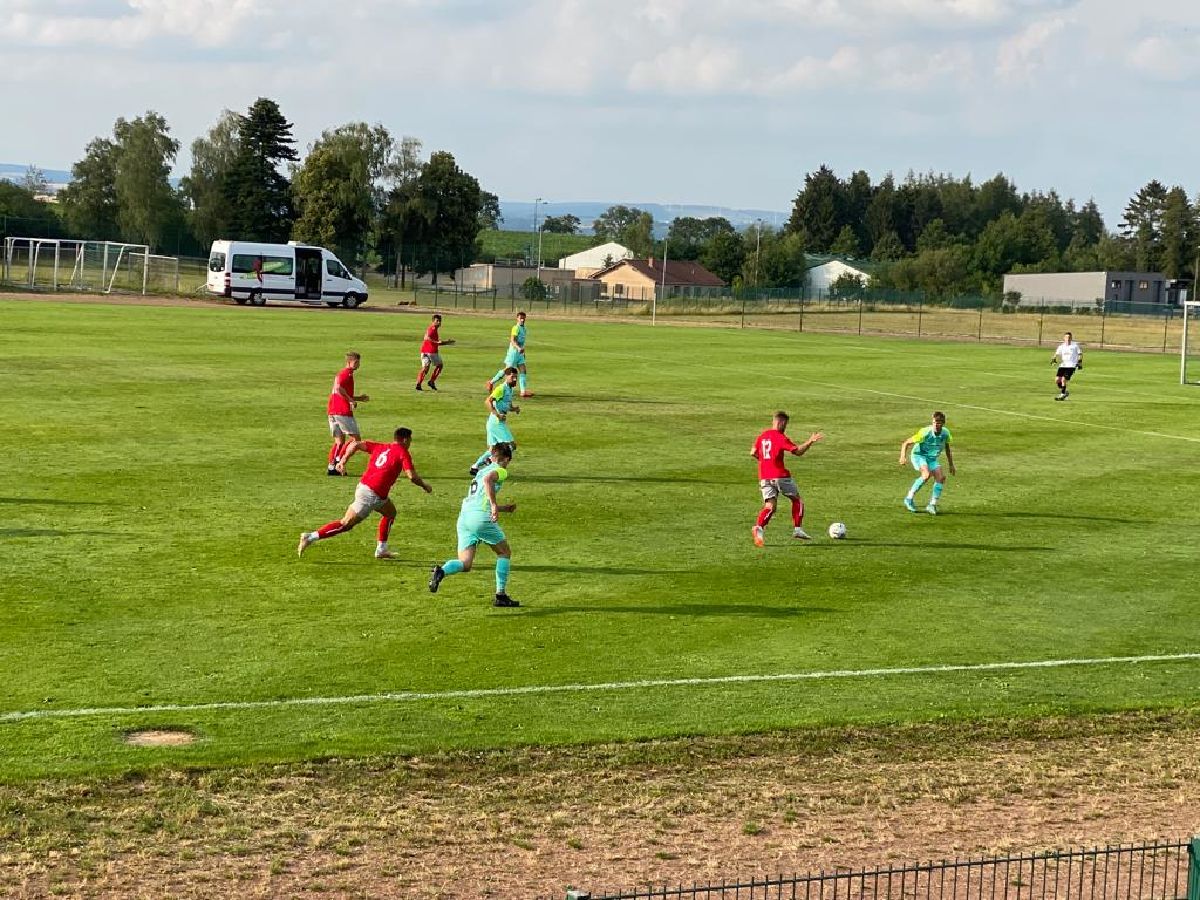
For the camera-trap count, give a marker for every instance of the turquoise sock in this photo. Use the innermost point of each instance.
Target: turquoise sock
(521, 382)
(916, 486)
(484, 459)
(498, 377)
(503, 564)
(937, 491)
(452, 567)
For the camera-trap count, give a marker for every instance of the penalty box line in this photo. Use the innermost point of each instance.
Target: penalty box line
(611, 686)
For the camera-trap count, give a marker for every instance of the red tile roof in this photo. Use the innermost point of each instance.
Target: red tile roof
(679, 272)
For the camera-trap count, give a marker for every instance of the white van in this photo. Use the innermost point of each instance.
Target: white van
(254, 273)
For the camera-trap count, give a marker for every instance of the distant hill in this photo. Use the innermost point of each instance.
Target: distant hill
(519, 215)
(55, 178)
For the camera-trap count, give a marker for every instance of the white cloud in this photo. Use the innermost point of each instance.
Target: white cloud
(1173, 59)
(1019, 57)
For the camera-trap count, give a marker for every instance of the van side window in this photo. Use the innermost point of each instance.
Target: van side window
(244, 264)
(336, 269)
(216, 262)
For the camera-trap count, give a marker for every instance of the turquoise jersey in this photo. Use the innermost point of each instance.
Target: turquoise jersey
(518, 335)
(503, 395)
(476, 501)
(928, 444)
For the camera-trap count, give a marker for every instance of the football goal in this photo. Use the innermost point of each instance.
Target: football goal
(58, 264)
(1189, 346)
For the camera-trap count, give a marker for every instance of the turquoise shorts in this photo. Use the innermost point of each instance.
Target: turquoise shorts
(498, 432)
(931, 464)
(477, 528)
(514, 359)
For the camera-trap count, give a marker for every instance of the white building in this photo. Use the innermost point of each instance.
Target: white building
(822, 277)
(587, 262)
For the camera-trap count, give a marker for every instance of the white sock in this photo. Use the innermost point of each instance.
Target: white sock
(380, 546)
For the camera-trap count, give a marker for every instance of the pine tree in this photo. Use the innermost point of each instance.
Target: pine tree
(259, 196)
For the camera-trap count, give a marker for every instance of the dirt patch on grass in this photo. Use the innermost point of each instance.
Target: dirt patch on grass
(159, 738)
(527, 823)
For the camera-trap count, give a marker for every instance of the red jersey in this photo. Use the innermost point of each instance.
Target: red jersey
(432, 341)
(384, 467)
(769, 448)
(339, 405)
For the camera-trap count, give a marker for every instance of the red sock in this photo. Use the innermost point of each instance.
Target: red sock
(385, 528)
(421, 374)
(328, 531)
(764, 516)
(334, 452)
(797, 512)
(436, 372)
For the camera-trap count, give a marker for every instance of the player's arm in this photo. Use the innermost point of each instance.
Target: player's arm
(754, 449)
(490, 403)
(411, 475)
(950, 459)
(351, 398)
(353, 447)
(904, 450)
(489, 488)
(803, 448)
(445, 343)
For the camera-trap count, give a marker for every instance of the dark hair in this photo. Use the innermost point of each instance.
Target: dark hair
(437, 316)
(511, 370)
(501, 449)
(350, 354)
(521, 313)
(1068, 334)
(939, 415)
(402, 433)
(782, 415)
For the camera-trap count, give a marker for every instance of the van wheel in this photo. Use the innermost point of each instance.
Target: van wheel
(240, 301)
(350, 301)
(256, 298)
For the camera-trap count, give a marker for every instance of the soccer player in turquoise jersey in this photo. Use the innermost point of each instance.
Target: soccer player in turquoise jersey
(927, 445)
(499, 403)
(515, 357)
(478, 524)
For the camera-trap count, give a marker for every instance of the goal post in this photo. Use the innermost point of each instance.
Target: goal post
(1189, 345)
(65, 264)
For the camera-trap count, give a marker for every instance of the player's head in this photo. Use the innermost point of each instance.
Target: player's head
(1067, 337)
(510, 376)
(437, 320)
(939, 420)
(501, 453)
(521, 317)
(780, 419)
(352, 360)
(403, 436)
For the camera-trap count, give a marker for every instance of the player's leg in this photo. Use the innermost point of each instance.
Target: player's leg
(503, 565)
(939, 484)
(790, 491)
(467, 543)
(387, 514)
(423, 372)
(922, 467)
(351, 436)
(769, 488)
(437, 370)
(523, 380)
(332, 529)
(335, 451)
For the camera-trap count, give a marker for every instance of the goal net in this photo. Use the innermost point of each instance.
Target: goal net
(58, 264)
(1189, 349)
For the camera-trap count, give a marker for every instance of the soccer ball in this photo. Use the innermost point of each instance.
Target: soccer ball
(837, 530)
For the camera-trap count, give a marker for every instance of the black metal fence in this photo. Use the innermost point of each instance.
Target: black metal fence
(1157, 871)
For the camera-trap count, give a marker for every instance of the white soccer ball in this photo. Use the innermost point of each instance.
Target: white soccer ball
(837, 530)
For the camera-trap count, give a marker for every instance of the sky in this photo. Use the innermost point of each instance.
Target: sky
(722, 102)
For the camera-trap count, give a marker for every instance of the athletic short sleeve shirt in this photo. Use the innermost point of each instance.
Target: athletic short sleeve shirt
(430, 344)
(503, 395)
(339, 405)
(928, 444)
(518, 335)
(1069, 354)
(476, 500)
(384, 466)
(769, 448)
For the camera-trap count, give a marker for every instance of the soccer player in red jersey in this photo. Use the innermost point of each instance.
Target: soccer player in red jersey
(430, 357)
(342, 400)
(774, 478)
(387, 462)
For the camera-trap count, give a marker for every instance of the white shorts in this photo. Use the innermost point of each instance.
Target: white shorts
(343, 426)
(366, 501)
(431, 359)
(773, 487)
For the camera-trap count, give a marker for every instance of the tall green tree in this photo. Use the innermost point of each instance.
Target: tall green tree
(614, 220)
(846, 243)
(724, 255)
(89, 202)
(21, 213)
(1178, 235)
(1142, 223)
(688, 234)
(638, 235)
(490, 216)
(148, 209)
(205, 187)
(258, 195)
(818, 211)
(564, 224)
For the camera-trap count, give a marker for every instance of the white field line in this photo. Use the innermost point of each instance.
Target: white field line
(610, 686)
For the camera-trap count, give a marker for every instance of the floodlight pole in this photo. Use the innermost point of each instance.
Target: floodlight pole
(536, 202)
(663, 289)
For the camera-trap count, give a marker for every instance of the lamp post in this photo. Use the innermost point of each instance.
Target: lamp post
(537, 228)
(757, 249)
(662, 280)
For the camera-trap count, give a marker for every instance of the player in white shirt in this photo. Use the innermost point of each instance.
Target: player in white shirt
(1068, 356)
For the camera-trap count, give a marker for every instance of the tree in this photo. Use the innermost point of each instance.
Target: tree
(773, 259)
(340, 189)
(34, 181)
(436, 215)
(258, 195)
(490, 216)
(565, 224)
(1178, 235)
(934, 237)
(846, 243)
(887, 247)
(724, 255)
(147, 206)
(688, 235)
(21, 213)
(89, 202)
(819, 209)
(213, 157)
(615, 220)
(638, 235)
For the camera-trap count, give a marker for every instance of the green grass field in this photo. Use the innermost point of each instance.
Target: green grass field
(520, 244)
(162, 461)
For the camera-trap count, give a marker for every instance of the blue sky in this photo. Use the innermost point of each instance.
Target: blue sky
(723, 102)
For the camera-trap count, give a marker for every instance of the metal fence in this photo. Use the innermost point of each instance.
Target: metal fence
(1157, 871)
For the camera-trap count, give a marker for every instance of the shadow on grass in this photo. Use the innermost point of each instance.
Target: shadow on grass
(489, 565)
(585, 479)
(1065, 517)
(601, 399)
(47, 501)
(45, 532)
(682, 609)
(939, 545)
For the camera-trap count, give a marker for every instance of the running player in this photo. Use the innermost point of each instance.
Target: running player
(774, 478)
(386, 463)
(342, 400)
(500, 403)
(927, 445)
(430, 355)
(1068, 356)
(515, 357)
(477, 524)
